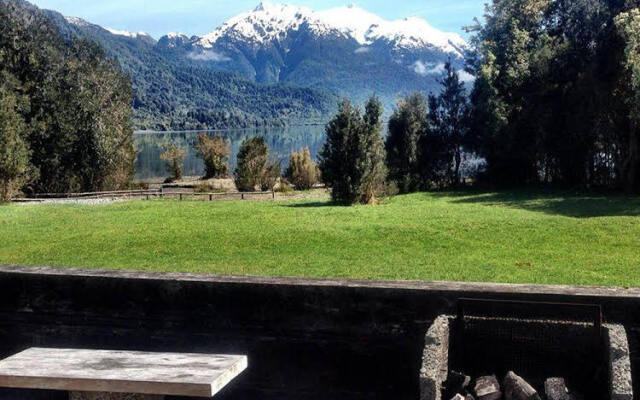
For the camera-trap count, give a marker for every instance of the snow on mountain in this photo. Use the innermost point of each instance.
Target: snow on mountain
(269, 22)
(265, 23)
(76, 21)
(126, 33)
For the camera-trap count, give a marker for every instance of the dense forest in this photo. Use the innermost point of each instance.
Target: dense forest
(65, 110)
(557, 95)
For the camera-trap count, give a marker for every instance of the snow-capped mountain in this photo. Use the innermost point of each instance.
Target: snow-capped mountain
(271, 22)
(347, 50)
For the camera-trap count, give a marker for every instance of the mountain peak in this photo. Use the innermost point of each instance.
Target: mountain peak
(272, 22)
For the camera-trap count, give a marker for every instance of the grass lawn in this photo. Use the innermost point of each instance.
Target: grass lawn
(532, 237)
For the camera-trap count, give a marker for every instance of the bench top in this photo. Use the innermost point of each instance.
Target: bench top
(178, 374)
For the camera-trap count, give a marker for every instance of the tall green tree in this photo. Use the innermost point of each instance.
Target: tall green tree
(352, 159)
(407, 126)
(448, 117)
(371, 154)
(15, 169)
(628, 24)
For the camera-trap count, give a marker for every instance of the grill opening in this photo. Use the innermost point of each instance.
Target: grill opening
(536, 341)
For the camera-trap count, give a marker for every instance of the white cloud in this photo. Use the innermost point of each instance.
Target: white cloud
(209, 55)
(361, 50)
(424, 69)
(465, 76)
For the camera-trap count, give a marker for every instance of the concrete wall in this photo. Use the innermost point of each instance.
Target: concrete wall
(306, 339)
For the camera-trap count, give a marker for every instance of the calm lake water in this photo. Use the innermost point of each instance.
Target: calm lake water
(282, 142)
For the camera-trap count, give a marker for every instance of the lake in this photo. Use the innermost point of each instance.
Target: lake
(281, 141)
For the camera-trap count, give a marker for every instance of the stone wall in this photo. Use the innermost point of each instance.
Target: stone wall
(306, 339)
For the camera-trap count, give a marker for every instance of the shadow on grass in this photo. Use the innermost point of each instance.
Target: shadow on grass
(568, 204)
(315, 204)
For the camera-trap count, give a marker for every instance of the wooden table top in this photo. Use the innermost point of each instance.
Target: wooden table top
(179, 374)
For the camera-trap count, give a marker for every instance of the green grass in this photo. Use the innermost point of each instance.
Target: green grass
(532, 237)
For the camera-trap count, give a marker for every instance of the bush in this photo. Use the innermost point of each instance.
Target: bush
(252, 164)
(215, 154)
(272, 173)
(284, 187)
(302, 171)
(174, 157)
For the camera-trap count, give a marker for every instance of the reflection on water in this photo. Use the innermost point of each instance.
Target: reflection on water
(282, 142)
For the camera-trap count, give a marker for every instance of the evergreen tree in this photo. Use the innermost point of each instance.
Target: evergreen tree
(352, 159)
(251, 171)
(15, 169)
(371, 154)
(448, 117)
(336, 157)
(407, 126)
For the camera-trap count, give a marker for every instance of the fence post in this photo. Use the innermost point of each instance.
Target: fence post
(210, 197)
(180, 196)
(273, 192)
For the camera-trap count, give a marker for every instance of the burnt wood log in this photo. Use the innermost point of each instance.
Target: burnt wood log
(487, 388)
(516, 388)
(456, 383)
(556, 389)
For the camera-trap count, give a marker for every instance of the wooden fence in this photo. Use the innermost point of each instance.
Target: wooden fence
(148, 195)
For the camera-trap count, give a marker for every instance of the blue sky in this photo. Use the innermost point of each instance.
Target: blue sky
(197, 17)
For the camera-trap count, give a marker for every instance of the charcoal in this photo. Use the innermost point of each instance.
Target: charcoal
(487, 388)
(516, 388)
(458, 397)
(556, 389)
(469, 397)
(456, 383)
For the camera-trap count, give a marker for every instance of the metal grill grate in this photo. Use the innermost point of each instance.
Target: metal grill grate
(535, 340)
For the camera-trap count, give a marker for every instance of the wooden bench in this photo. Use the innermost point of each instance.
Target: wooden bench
(114, 375)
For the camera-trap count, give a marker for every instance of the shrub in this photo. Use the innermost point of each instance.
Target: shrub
(252, 164)
(302, 171)
(284, 187)
(272, 173)
(215, 154)
(174, 157)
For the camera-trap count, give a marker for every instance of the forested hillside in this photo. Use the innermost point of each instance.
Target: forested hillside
(177, 93)
(65, 109)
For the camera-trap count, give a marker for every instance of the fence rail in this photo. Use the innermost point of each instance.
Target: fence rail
(146, 194)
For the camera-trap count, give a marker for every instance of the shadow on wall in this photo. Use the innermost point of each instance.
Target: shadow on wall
(567, 204)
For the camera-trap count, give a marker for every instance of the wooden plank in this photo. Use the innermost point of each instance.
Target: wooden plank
(178, 374)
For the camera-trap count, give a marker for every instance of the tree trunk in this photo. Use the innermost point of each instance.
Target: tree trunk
(633, 184)
(457, 167)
